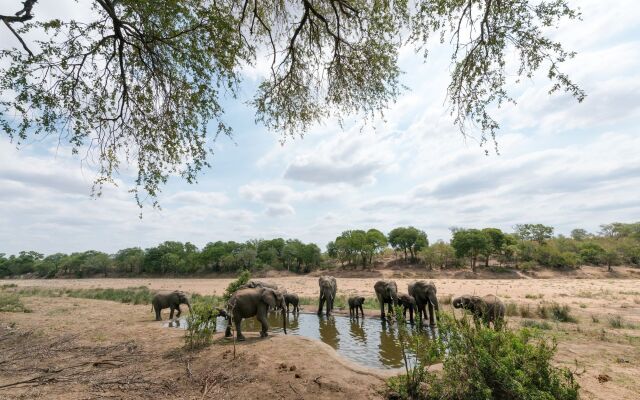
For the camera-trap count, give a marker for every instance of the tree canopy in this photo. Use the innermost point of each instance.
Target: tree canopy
(142, 82)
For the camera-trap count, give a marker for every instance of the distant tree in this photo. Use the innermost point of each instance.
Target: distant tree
(592, 253)
(579, 234)
(497, 240)
(409, 240)
(439, 254)
(470, 243)
(535, 232)
(129, 260)
(611, 258)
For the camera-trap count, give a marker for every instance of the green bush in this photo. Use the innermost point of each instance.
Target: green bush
(201, 323)
(243, 277)
(530, 323)
(561, 313)
(10, 302)
(482, 363)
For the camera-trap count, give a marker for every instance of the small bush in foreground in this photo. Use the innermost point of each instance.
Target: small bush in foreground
(482, 363)
(201, 323)
(10, 302)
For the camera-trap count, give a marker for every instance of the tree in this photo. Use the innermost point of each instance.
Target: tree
(129, 260)
(408, 239)
(146, 82)
(497, 240)
(536, 232)
(592, 253)
(579, 234)
(439, 254)
(470, 243)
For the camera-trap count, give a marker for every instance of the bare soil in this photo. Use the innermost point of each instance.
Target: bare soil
(76, 348)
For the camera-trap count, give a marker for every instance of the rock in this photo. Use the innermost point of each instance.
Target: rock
(394, 396)
(283, 366)
(292, 368)
(298, 376)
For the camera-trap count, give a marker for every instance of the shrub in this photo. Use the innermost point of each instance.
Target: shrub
(530, 323)
(243, 277)
(616, 322)
(562, 313)
(482, 363)
(525, 311)
(511, 309)
(10, 302)
(201, 324)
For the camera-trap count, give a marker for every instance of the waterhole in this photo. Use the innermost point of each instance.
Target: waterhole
(369, 341)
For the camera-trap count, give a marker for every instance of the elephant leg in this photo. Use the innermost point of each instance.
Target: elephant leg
(320, 304)
(227, 332)
(361, 311)
(158, 313)
(329, 307)
(171, 313)
(411, 315)
(264, 323)
(390, 308)
(238, 323)
(179, 311)
(381, 309)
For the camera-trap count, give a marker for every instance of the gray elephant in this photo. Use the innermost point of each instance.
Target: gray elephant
(328, 289)
(294, 300)
(254, 284)
(424, 294)
(487, 309)
(254, 302)
(408, 303)
(387, 293)
(171, 300)
(355, 304)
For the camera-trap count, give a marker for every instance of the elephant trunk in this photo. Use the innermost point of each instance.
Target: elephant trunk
(284, 320)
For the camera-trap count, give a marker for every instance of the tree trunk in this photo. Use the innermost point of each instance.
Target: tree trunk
(486, 262)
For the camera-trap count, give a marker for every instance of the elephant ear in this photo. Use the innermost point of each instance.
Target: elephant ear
(269, 297)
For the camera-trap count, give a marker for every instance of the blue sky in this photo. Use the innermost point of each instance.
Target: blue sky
(561, 163)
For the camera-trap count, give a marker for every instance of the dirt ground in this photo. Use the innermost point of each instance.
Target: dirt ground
(75, 348)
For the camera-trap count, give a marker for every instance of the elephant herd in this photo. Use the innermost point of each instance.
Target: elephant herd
(256, 298)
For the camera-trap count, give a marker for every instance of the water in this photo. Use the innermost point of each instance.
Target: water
(369, 341)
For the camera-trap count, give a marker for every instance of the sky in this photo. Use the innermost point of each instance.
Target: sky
(560, 163)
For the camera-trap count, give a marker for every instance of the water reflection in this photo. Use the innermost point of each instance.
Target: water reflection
(389, 352)
(356, 328)
(368, 341)
(328, 331)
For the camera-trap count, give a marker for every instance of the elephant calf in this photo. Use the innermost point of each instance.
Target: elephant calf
(408, 303)
(487, 309)
(171, 300)
(292, 298)
(355, 304)
(254, 302)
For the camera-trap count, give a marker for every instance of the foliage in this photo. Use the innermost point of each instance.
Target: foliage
(132, 295)
(10, 302)
(471, 243)
(441, 255)
(201, 323)
(243, 277)
(355, 246)
(408, 239)
(483, 363)
(141, 84)
(500, 364)
(534, 232)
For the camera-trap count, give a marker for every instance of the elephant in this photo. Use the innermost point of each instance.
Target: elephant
(171, 300)
(408, 303)
(292, 298)
(328, 289)
(487, 309)
(424, 294)
(254, 302)
(355, 304)
(254, 284)
(387, 293)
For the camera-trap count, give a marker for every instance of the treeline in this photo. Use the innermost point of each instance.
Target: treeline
(169, 258)
(528, 246)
